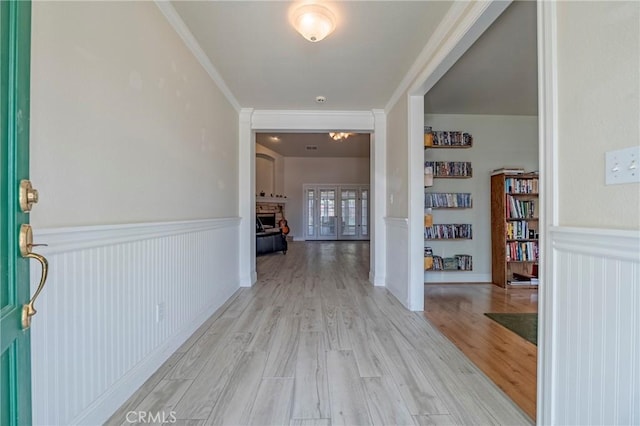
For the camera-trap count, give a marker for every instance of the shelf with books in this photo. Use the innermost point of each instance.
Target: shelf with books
(449, 231)
(457, 262)
(448, 200)
(450, 169)
(446, 139)
(514, 227)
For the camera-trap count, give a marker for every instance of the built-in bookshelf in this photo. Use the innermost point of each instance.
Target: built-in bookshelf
(514, 230)
(438, 200)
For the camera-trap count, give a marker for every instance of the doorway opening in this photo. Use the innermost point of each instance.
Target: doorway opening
(499, 113)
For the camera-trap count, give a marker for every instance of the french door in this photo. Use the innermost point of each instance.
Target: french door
(336, 212)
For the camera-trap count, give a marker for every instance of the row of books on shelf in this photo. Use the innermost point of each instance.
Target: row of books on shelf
(521, 230)
(448, 231)
(457, 262)
(447, 199)
(450, 168)
(520, 209)
(514, 185)
(446, 138)
(522, 251)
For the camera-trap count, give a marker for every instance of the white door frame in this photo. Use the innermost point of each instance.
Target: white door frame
(252, 121)
(470, 24)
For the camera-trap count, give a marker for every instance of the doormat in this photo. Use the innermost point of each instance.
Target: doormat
(524, 325)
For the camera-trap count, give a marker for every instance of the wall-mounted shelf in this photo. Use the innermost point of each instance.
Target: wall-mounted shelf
(451, 232)
(450, 169)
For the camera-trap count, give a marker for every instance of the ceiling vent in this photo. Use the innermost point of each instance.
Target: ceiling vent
(311, 147)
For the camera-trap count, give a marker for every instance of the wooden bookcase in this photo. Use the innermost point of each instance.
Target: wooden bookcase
(514, 227)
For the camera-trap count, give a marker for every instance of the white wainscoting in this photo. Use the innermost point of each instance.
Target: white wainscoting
(97, 336)
(595, 327)
(397, 268)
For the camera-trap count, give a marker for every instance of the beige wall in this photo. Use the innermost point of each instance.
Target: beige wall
(126, 126)
(397, 160)
(299, 171)
(277, 186)
(599, 110)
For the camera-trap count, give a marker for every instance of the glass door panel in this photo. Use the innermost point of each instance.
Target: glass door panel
(364, 214)
(327, 219)
(348, 216)
(310, 214)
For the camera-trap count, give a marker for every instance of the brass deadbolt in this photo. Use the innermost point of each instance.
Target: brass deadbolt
(28, 195)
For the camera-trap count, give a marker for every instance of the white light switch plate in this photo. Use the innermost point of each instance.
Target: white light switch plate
(622, 166)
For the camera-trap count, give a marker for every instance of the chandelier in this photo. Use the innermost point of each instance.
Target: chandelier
(338, 136)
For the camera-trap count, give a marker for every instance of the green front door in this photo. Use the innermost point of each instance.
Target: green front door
(15, 374)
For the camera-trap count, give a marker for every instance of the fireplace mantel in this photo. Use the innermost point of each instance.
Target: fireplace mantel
(273, 200)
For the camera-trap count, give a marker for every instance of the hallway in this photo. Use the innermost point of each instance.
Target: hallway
(313, 343)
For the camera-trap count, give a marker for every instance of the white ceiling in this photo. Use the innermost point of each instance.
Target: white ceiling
(266, 64)
(498, 74)
(295, 144)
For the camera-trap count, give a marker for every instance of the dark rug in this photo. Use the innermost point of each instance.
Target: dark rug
(524, 325)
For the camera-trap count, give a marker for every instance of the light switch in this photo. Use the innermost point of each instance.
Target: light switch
(622, 166)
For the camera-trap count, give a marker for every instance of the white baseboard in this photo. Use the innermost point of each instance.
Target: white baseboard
(455, 277)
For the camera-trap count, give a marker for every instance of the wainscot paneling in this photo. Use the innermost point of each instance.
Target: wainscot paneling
(397, 278)
(120, 299)
(595, 327)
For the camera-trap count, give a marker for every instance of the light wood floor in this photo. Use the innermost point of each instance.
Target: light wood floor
(313, 343)
(508, 359)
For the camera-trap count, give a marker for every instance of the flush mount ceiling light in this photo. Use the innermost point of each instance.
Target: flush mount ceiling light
(338, 136)
(313, 21)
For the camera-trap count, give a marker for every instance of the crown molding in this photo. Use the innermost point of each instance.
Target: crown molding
(192, 44)
(457, 31)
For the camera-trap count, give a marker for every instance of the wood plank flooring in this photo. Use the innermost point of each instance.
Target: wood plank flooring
(457, 310)
(314, 343)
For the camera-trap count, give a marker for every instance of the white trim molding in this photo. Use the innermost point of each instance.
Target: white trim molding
(463, 23)
(62, 240)
(617, 244)
(312, 120)
(378, 184)
(176, 22)
(246, 199)
(119, 300)
(548, 147)
(253, 121)
(455, 277)
(415, 159)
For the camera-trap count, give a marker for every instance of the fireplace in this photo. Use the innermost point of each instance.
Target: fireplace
(267, 220)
